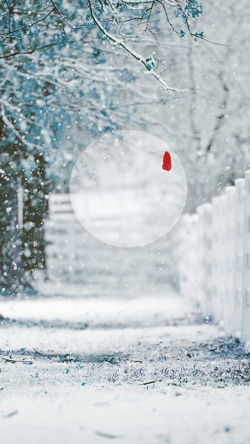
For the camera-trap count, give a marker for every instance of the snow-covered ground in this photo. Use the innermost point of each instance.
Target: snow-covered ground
(129, 370)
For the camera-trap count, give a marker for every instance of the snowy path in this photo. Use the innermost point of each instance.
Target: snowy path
(116, 370)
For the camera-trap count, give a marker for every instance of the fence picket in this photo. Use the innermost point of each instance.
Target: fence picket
(245, 325)
(238, 255)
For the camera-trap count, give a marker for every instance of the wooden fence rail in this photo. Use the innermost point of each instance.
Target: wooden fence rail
(214, 262)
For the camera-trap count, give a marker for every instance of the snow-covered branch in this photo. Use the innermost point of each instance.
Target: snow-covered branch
(115, 41)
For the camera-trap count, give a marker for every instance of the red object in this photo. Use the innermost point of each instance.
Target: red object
(166, 162)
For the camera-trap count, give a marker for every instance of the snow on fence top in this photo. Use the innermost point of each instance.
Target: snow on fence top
(214, 258)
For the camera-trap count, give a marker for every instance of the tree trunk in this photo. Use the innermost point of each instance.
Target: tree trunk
(22, 249)
(11, 278)
(35, 212)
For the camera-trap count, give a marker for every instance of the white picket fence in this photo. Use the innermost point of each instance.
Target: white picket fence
(74, 257)
(212, 249)
(214, 258)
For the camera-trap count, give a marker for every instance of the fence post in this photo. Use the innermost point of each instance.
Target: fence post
(245, 326)
(215, 262)
(208, 258)
(205, 257)
(229, 255)
(238, 255)
(222, 257)
(201, 278)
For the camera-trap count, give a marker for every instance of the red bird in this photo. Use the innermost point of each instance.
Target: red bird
(166, 162)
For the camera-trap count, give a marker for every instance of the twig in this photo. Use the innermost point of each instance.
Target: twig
(16, 360)
(15, 131)
(46, 355)
(7, 56)
(28, 26)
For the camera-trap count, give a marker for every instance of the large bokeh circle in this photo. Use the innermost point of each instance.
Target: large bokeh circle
(121, 194)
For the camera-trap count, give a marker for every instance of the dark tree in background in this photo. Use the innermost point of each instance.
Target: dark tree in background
(10, 241)
(35, 210)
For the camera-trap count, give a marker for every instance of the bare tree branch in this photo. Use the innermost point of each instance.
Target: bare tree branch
(28, 26)
(10, 125)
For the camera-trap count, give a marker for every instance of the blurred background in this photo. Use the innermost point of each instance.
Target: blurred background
(72, 73)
